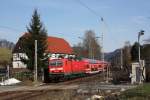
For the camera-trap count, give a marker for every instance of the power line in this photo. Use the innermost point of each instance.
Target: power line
(105, 25)
(90, 9)
(101, 20)
(10, 28)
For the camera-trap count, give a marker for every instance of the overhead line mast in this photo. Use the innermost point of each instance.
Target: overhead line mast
(101, 20)
(102, 34)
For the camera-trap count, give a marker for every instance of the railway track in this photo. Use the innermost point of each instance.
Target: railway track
(20, 95)
(96, 77)
(29, 94)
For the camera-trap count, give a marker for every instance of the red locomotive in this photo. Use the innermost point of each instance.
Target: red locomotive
(70, 68)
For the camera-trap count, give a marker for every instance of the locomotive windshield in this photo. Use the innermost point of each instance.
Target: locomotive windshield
(55, 63)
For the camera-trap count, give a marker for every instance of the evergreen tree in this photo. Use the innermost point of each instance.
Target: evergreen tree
(36, 31)
(135, 52)
(146, 53)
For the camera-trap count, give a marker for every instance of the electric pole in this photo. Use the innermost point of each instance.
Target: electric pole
(8, 71)
(141, 67)
(121, 60)
(35, 63)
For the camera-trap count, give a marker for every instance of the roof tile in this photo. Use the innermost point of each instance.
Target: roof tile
(55, 45)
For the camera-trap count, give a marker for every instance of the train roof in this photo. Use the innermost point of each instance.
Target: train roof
(93, 61)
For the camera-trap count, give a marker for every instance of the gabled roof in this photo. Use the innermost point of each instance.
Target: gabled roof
(55, 45)
(58, 45)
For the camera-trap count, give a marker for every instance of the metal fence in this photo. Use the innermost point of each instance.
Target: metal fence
(23, 76)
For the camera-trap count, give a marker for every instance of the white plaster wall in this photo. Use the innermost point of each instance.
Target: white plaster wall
(18, 64)
(16, 60)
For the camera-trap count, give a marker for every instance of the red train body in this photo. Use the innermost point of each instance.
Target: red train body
(71, 67)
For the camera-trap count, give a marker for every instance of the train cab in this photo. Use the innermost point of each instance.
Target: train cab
(56, 66)
(62, 68)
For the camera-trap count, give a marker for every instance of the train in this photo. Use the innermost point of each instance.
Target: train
(60, 69)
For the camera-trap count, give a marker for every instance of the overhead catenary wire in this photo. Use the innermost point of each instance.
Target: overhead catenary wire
(104, 24)
(101, 20)
(90, 9)
(10, 28)
(99, 17)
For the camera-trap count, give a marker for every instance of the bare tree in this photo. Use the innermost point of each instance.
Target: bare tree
(127, 56)
(6, 44)
(91, 45)
(78, 50)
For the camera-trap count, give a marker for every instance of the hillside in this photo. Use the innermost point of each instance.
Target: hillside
(5, 56)
(6, 44)
(110, 55)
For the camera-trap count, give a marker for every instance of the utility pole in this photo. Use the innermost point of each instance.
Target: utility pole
(102, 50)
(102, 47)
(103, 59)
(8, 71)
(141, 67)
(107, 74)
(101, 20)
(90, 49)
(140, 33)
(121, 60)
(35, 63)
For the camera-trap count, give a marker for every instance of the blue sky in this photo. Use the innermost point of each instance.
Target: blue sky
(69, 19)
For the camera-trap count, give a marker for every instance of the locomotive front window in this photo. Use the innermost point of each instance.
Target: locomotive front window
(56, 63)
(59, 63)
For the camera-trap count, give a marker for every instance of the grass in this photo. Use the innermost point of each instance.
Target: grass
(5, 55)
(59, 94)
(142, 92)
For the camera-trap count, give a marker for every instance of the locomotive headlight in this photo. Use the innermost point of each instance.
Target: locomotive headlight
(60, 68)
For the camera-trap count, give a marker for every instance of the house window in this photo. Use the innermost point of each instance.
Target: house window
(15, 57)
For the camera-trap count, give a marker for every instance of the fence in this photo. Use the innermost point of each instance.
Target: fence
(23, 76)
